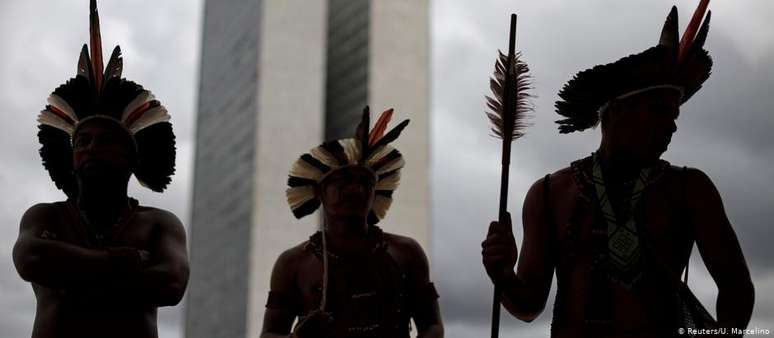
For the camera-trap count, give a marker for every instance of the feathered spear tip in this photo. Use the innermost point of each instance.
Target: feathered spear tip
(509, 103)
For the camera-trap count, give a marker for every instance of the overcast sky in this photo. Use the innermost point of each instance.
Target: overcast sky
(724, 129)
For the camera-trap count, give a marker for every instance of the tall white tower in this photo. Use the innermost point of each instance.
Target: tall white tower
(277, 78)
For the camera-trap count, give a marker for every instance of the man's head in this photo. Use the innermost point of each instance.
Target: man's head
(642, 124)
(352, 178)
(348, 192)
(102, 147)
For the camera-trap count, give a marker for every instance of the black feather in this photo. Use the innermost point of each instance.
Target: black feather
(335, 149)
(315, 163)
(372, 218)
(388, 174)
(57, 155)
(701, 36)
(294, 181)
(307, 208)
(393, 155)
(361, 133)
(385, 193)
(115, 65)
(669, 36)
(84, 65)
(156, 161)
(392, 135)
(508, 110)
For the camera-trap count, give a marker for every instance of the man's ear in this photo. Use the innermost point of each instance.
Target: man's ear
(612, 113)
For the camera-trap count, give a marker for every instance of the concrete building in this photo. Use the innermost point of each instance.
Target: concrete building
(277, 78)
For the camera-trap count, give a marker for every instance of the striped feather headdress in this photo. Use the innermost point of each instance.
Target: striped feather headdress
(679, 64)
(370, 150)
(100, 93)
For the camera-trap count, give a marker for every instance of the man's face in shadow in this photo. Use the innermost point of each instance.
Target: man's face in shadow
(348, 192)
(643, 124)
(102, 148)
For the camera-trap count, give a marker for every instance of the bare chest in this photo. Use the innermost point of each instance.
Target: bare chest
(354, 286)
(659, 217)
(580, 230)
(134, 229)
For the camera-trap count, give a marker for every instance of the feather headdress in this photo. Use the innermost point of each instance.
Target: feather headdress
(682, 65)
(369, 150)
(97, 93)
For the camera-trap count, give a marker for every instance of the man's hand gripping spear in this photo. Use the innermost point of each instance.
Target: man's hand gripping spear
(508, 108)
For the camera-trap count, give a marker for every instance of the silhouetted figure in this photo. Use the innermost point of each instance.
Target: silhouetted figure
(99, 263)
(353, 279)
(618, 226)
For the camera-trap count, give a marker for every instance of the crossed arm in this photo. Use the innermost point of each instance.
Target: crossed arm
(112, 275)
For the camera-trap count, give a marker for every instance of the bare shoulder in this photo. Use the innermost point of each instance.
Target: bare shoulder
(410, 255)
(694, 181)
(284, 273)
(294, 255)
(561, 179)
(404, 244)
(558, 184)
(41, 209)
(701, 193)
(697, 179)
(162, 218)
(39, 215)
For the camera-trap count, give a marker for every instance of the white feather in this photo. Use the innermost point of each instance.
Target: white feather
(325, 157)
(149, 118)
(50, 119)
(393, 165)
(351, 148)
(60, 103)
(389, 183)
(303, 169)
(141, 98)
(378, 155)
(297, 196)
(381, 205)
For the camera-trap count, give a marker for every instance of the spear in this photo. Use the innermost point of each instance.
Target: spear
(508, 107)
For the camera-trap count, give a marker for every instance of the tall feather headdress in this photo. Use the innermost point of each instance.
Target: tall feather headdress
(679, 64)
(369, 150)
(101, 93)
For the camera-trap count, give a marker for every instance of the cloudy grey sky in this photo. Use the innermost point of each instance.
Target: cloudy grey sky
(724, 129)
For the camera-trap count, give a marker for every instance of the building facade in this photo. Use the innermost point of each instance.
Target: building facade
(277, 78)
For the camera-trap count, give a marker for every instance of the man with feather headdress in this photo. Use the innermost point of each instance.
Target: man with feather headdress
(99, 263)
(351, 279)
(618, 226)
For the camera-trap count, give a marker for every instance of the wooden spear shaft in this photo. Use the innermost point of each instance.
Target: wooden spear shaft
(508, 108)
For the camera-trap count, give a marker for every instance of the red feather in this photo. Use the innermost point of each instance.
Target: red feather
(690, 31)
(96, 45)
